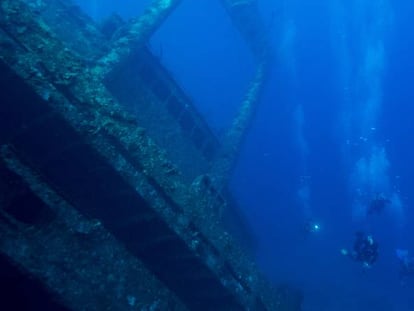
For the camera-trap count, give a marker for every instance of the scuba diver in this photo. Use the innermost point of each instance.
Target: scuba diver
(378, 204)
(406, 265)
(365, 250)
(310, 227)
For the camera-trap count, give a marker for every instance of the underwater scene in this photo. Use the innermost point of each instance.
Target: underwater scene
(206, 155)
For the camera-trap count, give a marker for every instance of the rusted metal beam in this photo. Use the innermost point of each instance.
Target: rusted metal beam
(232, 142)
(136, 34)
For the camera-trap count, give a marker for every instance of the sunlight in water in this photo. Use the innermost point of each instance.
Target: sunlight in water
(303, 193)
(304, 197)
(362, 82)
(286, 48)
(370, 179)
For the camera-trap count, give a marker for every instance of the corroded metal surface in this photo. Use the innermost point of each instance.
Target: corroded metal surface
(76, 258)
(60, 118)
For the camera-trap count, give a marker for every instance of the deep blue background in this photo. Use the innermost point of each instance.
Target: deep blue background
(319, 51)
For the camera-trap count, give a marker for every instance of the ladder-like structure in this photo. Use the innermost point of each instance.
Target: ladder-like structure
(112, 186)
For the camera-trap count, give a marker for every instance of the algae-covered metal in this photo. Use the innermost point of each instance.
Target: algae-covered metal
(95, 204)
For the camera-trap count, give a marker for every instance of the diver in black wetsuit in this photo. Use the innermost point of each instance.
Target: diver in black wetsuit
(365, 250)
(310, 228)
(378, 204)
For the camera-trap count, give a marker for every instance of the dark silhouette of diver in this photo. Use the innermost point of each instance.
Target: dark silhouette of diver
(365, 250)
(378, 204)
(310, 228)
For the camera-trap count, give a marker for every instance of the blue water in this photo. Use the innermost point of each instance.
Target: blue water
(333, 129)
